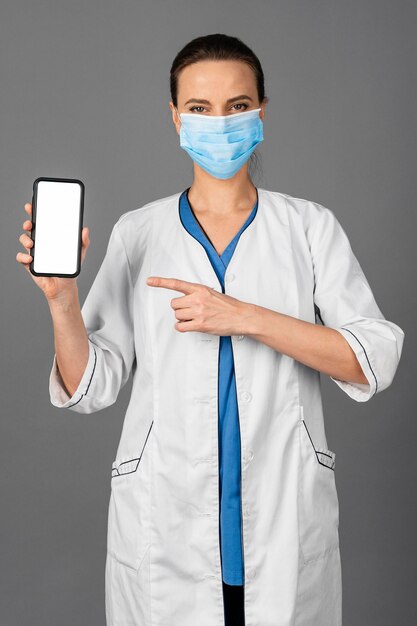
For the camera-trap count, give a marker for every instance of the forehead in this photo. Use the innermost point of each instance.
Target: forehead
(215, 79)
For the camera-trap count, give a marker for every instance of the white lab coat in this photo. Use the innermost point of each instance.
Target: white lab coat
(163, 561)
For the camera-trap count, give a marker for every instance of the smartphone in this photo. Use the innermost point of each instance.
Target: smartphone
(57, 223)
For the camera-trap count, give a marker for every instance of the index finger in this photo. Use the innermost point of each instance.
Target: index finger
(172, 283)
(28, 208)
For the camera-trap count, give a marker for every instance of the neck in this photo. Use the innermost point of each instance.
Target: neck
(215, 195)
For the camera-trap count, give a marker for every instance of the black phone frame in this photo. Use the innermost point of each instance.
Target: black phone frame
(33, 233)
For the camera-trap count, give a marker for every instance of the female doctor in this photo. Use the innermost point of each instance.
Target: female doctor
(223, 506)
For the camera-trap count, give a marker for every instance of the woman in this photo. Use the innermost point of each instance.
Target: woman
(223, 506)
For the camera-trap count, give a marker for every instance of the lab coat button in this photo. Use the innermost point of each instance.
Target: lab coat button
(246, 396)
(240, 337)
(229, 278)
(248, 456)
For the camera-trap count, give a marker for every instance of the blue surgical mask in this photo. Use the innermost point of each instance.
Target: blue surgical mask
(221, 144)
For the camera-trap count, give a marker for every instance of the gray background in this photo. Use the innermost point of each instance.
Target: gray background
(84, 92)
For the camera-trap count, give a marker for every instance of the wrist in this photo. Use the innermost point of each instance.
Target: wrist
(65, 300)
(251, 319)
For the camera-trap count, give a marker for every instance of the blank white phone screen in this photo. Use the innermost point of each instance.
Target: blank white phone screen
(57, 227)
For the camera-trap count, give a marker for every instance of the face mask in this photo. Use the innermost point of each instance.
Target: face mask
(221, 144)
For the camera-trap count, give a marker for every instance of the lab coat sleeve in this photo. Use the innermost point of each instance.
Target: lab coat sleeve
(344, 301)
(108, 318)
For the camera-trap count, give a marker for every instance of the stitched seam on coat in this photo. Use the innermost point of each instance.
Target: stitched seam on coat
(85, 393)
(370, 366)
(317, 452)
(131, 460)
(116, 230)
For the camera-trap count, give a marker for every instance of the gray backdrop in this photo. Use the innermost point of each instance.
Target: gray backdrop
(84, 92)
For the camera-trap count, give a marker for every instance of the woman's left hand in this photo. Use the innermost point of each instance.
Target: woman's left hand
(204, 309)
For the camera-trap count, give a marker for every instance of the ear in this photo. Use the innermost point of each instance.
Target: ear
(175, 117)
(262, 111)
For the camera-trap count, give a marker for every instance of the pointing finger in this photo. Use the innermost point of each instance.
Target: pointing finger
(172, 283)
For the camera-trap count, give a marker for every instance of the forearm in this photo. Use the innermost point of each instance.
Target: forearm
(319, 347)
(70, 339)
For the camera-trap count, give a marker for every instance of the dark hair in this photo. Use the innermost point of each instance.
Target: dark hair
(218, 47)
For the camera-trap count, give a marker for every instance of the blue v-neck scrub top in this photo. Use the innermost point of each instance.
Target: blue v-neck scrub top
(229, 431)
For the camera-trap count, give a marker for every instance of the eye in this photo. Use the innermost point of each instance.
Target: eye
(238, 104)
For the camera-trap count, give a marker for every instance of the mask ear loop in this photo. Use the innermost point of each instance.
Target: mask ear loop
(178, 113)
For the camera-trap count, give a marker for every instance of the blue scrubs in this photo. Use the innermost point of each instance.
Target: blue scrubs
(229, 431)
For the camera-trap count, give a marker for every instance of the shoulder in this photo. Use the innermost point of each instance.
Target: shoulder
(146, 213)
(312, 216)
(305, 208)
(135, 226)
(135, 229)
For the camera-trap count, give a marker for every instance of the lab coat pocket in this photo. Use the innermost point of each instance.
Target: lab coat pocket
(128, 535)
(317, 496)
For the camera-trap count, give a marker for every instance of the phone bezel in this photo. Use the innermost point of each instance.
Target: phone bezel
(33, 233)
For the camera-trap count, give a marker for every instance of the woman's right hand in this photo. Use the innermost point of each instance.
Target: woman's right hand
(52, 286)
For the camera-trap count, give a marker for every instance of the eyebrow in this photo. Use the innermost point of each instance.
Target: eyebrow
(229, 101)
